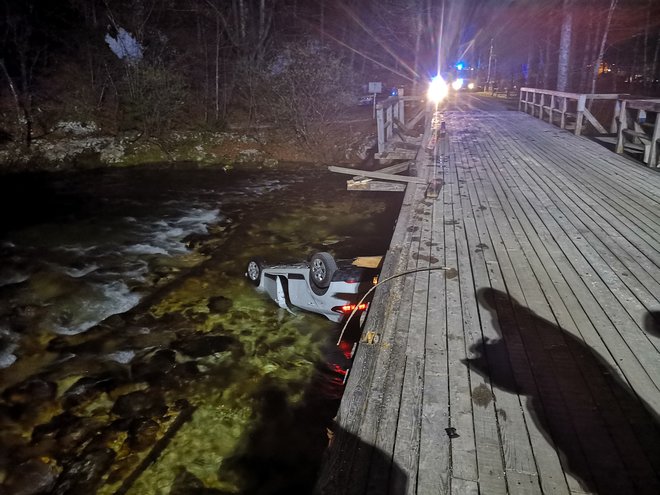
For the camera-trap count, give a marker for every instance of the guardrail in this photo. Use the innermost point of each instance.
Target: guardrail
(559, 107)
(635, 133)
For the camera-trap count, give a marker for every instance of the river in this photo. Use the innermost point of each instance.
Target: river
(134, 356)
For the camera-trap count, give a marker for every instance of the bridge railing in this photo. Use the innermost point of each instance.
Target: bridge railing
(568, 110)
(391, 119)
(637, 133)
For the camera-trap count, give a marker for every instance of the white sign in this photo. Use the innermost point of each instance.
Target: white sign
(375, 87)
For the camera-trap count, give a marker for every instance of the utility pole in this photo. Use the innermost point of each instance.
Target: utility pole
(490, 61)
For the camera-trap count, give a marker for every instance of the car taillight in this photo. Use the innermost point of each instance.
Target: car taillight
(348, 308)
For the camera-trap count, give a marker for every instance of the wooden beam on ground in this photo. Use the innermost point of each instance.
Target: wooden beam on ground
(376, 175)
(400, 154)
(359, 184)
(396, 168)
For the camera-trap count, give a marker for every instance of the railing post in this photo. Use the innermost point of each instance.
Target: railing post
(389, 122)
(380, 125)
(622, 124)
(552, 109)
(653, 155)
(564, 109)
(581, 106)
(617, 109)
(520, 99)
(402, 106)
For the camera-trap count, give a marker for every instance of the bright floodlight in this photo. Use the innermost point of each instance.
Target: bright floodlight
(471, 86)
(457, 84)
(437, 89)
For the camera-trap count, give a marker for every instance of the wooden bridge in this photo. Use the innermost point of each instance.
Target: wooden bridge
(517, 347)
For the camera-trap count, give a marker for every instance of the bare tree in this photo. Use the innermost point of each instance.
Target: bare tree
(603, 41)
(565, 46)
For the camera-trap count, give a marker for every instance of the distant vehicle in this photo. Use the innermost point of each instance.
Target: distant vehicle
(365, 100)
(322, 285)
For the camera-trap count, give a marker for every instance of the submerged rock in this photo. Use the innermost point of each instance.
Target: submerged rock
(30, 478)
(143, 432)
(140, 403)
(154, 370)
(88, 388)
(84, 474)
(200, 345)
(220, 304)
(30, 393)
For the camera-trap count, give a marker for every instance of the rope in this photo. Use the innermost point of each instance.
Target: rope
(396, 275)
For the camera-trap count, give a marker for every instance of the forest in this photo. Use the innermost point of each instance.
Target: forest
(157, 66)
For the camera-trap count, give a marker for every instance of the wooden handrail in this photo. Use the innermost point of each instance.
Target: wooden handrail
(581, 113)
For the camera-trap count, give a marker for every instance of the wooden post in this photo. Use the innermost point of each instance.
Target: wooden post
(623, 124)
(389, 122)
(402, 106)
(380, 125)
(541, 103)
(552, 109)
(564, 108)
(617, 109)
(581, 106)
(655, 137)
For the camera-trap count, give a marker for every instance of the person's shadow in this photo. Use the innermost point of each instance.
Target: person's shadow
(605, 435)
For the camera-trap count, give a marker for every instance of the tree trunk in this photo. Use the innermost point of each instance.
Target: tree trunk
(584, 73)
(565, 46)
(603, 41)
(14, 94)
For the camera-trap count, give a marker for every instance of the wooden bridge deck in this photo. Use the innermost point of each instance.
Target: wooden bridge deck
(527, 360)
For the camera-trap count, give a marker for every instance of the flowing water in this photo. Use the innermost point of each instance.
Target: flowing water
(135, 358)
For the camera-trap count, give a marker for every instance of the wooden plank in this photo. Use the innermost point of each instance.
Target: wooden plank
(623, 440)
(542, 458)
(434, 450)
(472, 272)
(407, 446)
(397, 168)
(375, 175)
(556, 373)
(592, 120)
(374, 185)
(400, 154)
(347, 463)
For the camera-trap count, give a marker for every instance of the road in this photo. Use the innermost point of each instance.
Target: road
(470, 101)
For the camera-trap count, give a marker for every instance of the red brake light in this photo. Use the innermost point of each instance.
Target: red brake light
(347, 308)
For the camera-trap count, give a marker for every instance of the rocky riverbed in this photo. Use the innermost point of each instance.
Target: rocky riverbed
(196, 382)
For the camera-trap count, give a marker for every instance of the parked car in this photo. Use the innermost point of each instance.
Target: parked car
(322, 285)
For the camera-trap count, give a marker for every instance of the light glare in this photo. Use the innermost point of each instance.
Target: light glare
(438, 89)
(457, 84)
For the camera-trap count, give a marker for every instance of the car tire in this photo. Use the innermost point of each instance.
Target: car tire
(322, 268)
(253, 270)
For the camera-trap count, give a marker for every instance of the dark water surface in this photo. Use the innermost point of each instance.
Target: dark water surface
(134, 357)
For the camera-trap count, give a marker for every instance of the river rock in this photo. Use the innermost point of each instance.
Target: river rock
(142, 434)
(219, 304)
(155, 370)
(87, 388)
(200, 345)
(84, 474)
(30, 392)
(140, 403)
(30, 478)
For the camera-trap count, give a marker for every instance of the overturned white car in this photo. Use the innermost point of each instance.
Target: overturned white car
(323, 285)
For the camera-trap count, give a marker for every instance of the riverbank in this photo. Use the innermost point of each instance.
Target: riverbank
(81, 145)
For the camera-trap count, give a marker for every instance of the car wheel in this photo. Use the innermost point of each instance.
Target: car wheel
(321, 269)
(253, 270)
